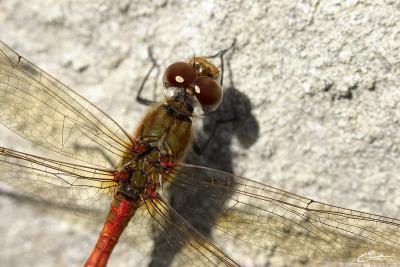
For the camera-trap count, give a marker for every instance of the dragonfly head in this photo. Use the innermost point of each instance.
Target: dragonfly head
(197, 78)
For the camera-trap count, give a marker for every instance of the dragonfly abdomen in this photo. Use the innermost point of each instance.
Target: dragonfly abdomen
(122, 210)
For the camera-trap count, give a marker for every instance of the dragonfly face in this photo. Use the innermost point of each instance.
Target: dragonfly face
(194, 80)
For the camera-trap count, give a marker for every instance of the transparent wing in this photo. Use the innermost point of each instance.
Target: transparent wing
(266, 217)
(170, 231)
(158, 236)
(70, 185)
(83, 188)
(41, 109)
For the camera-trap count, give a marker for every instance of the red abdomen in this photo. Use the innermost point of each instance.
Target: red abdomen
(120, 213)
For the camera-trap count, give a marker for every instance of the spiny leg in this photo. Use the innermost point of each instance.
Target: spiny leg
(221, 54)
(154, 65)
(199, 150)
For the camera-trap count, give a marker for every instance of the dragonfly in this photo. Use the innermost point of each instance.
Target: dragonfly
(135, 177)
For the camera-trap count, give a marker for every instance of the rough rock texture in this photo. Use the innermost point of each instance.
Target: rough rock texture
(322, 78)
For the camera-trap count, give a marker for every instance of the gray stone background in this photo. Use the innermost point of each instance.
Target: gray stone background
(322, 78)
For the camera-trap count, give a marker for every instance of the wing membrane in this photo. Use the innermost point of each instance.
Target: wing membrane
(196, 249)
(57, 182)
(87, 188)
(41, 109)
(267, 217)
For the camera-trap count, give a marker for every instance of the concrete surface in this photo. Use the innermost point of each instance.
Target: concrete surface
(322, 78)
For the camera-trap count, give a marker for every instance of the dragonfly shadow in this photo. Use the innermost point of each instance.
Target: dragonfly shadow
(232, 120)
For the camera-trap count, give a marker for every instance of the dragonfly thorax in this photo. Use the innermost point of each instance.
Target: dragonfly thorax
(144, 172)
(165, 133)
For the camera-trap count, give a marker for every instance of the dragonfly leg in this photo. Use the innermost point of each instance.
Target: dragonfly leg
(221, 54)
(154, 65)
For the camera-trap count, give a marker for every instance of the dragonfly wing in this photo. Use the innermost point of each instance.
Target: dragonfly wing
(161, 237)
(270, 218)
(86, 189)
(146, 241)
(70, 185)
(175, 234)
(41, 109)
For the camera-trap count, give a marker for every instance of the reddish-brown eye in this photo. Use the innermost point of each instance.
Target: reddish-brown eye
(208, 93)
(179, 74)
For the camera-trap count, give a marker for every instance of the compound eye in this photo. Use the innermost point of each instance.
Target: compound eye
(179, 74)
(208, 93)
